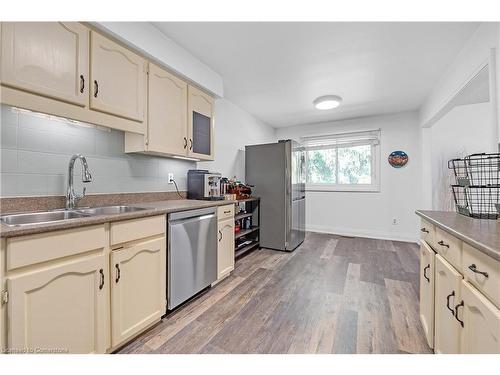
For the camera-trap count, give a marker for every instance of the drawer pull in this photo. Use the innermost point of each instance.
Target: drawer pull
(101, 284)
(118, 273)
(452, 294)
(443, 244)
(220, 236)
(461, 304)
(425, 275)
(424, 230)
(227, 212)
(474, 269)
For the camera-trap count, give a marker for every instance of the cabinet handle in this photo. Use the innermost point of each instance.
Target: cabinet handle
(101, 284)
(456, 313)
(452, 294)
(443, 244)
(191, 144)
(220, 236)
(96, 89)
(227, 212)
(118, 273)
(185, 142)
(473, 268)
(425, 275)
(424, 230)
(82, 83)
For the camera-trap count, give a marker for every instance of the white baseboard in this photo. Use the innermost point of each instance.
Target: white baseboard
(351, 232)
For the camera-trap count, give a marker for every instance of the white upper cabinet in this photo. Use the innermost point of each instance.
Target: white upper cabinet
(167, 113)
(118, 79)
(47, 58)
(200, 124)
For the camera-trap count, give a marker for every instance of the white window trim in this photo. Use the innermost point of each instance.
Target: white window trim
(374, 187)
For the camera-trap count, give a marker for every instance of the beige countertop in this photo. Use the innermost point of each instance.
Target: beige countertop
(153, 208)
(482, 234)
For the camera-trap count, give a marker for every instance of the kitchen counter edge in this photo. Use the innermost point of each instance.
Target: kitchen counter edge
(482, 234)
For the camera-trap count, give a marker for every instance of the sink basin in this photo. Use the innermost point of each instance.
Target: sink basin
(109, 210)
(60, 215)
(39, 217)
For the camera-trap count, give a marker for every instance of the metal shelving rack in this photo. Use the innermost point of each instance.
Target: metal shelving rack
(251, 235)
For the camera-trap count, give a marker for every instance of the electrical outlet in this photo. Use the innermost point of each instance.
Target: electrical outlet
(395, 221)
(170, 178)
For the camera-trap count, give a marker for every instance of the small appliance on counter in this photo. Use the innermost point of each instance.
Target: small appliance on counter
(203, 184)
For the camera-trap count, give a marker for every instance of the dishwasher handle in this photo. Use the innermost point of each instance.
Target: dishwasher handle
(191, 219)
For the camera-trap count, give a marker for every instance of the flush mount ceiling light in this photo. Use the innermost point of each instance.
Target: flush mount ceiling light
(327, 102)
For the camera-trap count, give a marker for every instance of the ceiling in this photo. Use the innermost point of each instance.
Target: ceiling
(275, 70)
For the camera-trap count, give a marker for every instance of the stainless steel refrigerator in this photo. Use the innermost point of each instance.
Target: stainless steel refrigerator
(277, 172)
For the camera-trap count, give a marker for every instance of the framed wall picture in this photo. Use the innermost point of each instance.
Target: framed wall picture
(398, 159)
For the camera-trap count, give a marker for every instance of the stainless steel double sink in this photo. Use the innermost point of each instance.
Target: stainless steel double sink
(61, 215)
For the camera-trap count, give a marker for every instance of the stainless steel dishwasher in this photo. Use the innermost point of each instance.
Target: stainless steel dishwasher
(192, 253)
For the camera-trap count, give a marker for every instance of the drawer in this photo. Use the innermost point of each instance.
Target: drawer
(225, 212)
(449, 247)
(135, 229)
(37, 248)
(488, 283)
(427, 232)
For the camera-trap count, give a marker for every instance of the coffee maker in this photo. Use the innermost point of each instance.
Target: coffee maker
(203, 184)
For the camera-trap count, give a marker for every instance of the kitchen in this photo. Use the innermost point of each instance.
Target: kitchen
(249, 188)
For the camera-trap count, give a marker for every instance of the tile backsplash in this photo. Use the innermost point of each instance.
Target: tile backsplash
(35, 151)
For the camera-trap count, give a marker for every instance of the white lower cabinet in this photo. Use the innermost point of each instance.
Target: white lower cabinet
(427, 257)
(62, 308)
(447, 296)
(138, 288)
(481, 322)
(458, 307)
(225, 248)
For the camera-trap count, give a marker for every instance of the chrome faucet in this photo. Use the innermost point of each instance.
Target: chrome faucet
(71, 196)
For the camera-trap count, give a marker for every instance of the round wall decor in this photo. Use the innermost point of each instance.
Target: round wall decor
(398, 159)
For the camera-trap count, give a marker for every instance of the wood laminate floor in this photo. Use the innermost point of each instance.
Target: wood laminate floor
(332, 295)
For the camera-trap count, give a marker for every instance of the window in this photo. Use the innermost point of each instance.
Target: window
(343, 162)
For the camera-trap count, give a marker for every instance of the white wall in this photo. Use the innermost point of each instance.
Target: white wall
(234, 129)
(146, 38)
(468, 62)
(366, 213)
(465, 130)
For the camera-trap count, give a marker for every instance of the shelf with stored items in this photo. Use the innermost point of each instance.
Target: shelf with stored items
(247, 218)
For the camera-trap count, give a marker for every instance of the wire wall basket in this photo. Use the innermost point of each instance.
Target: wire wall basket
(477, 189)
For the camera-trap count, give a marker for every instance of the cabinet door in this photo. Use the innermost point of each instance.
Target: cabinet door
(447, 288)
(118, 79)
(167, 113)
(427, 291)
(225, 248)
(481, 322)
(200, 124)
(138, 292)
(63, 307)
(47, 58)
